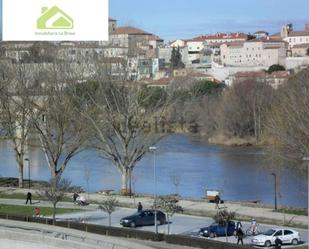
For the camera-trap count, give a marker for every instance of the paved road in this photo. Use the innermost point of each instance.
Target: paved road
(181, 224)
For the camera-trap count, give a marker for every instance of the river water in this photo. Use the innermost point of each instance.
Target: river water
(185, 165)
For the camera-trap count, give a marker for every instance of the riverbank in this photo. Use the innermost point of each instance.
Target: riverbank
(193, 207)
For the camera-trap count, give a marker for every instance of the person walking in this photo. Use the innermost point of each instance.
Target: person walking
(139, 207)
(75, 195)
(217, 201)
(29, 198)
(240, 235)
(278, 243)
(238, 225)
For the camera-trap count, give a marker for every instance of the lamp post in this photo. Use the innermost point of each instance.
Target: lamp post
(28, 160)
(153, 149)
(275, 178)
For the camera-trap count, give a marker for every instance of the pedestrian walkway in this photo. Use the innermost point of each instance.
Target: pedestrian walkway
(198, 208)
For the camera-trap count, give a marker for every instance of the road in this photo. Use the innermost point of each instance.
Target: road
(180, 224)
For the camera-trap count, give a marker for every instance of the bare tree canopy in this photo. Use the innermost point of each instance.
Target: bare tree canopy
(121, 124)
(16, 96)
(56, 119)
(109, 206)
(288, 121)
(55, 192)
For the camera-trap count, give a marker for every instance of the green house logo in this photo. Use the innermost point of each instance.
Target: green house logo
(54, 18)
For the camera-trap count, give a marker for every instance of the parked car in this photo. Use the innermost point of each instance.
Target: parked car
(144, 218)
(216, 229)
(287, 236)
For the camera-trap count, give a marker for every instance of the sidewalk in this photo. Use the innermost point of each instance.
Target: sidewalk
(198, 208)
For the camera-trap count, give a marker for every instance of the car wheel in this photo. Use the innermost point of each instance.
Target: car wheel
(212, 235)
(295, 242)
(267, 243)
(133, 224)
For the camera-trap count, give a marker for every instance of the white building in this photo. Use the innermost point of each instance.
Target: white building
(293, 37)
(258, 52)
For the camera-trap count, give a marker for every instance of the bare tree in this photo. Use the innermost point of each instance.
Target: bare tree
(223, 218)
(169, 204)
(54, 192)
(288, 120)
(119, 121)
(56, 119)
(109, 206)
(16, 96)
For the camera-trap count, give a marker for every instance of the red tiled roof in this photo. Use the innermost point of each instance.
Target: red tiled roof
(160, 82)
(253, 74)
(222, 36)
(267, 39)
(130, 30)
(298, 33)
(235, 44)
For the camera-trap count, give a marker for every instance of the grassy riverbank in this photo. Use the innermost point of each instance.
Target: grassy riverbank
(29, 210)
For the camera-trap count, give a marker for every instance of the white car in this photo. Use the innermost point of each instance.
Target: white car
(287, 236)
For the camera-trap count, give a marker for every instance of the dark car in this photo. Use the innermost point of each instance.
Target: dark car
(216, 229)
(144, 218)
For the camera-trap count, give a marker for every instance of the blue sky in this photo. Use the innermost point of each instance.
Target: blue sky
(173, 19)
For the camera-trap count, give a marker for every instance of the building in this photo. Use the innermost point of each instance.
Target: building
(138, 42)
(274, 79)
(221, 38)
(293, 37)
(261, 34)
(257, 52)
(165, 53)
(300, 50)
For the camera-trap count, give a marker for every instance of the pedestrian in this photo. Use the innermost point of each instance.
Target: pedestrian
(75, 195)
(139, 207)
(29, 198)
(217, 201)
(37, 212)
(240, 235)
(278, 243)
(238, 225)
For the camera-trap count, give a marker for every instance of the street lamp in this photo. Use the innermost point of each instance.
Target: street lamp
(153, 149)
(28, 160)
(275, 178)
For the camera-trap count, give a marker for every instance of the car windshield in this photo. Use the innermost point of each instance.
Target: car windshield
(269, 232)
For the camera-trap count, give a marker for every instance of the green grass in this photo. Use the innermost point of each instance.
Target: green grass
(4, 195)
(295, 211)
(29, 210)
(299, 247)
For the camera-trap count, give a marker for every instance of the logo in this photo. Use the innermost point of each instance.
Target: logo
(54, 18)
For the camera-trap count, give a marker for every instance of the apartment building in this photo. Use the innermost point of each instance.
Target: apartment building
(257, 52)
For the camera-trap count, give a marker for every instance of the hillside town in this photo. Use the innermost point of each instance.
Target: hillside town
(220, 57)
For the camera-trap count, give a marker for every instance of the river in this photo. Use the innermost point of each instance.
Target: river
(240, 173)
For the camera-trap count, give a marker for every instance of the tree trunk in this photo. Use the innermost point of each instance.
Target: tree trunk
(109, 219)
(130, 182)
(168, 224)
(21, 175)
(124, 181)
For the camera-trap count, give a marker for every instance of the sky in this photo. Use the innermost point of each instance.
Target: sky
(171, 19)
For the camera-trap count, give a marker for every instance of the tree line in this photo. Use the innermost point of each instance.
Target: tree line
(55, 109)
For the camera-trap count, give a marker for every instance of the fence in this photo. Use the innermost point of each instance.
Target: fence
(129, 233)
